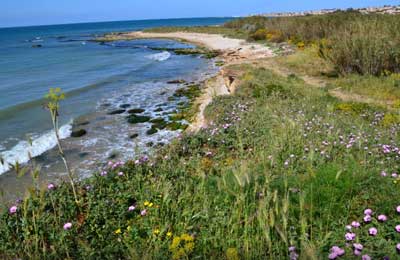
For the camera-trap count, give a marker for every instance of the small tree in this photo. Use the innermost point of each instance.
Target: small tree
(54, 97)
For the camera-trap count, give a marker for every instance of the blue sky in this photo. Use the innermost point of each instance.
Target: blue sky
(35, 12)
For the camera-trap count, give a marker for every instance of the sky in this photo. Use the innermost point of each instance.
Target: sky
(39, 12)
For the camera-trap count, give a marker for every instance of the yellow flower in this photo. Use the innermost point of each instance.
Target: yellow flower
(118, 231)
(169, 234)
(156, 231)
(189, 247)
(146, 203)
(129, 228)
(187, 237)
(151, 204)
(232, 254)
(175, 243)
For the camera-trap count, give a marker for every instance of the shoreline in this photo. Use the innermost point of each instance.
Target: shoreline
(232, 52)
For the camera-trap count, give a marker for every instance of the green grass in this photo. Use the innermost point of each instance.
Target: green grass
(279, 165)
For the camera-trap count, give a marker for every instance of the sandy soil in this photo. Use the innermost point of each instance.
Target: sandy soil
(233, 51)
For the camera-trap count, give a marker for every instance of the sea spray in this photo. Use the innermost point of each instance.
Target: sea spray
(20, 152)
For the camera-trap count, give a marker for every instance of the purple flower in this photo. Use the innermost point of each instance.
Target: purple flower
(13, 209)
(333, 256)
(398, 247)
(394, 175)
(366, 257)
(337, 251)
(51, 186)
(368, 212)
(143, 212)
(373, 231)
(358, 247)
(383, 174)
(120, 174)
(398, 228)
(367, 218)
(350, 236)
(103, 173)
(67, 226)
(398, 209)
(292, 248)
(357, 252)
(131, 208)
(355, 224)
(382, 218)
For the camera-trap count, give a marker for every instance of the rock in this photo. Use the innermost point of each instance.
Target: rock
(134, 119)
(37, 46)
(136, 111)
(177, 81)
(117, 112)
(78, 133)
(174, 126)
(124, 105)
(83, 154)
(83, 123)
(149, 144)
(158, 123)
(158, 110)
(152, 131)
(133, 136)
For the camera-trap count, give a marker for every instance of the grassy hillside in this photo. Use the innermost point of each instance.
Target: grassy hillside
(282, 164)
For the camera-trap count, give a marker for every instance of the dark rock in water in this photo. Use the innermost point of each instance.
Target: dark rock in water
(113, 155)
(149, 144)
(124, 105)
(134, 119)
(172, 98)
(78, 133)
(174, 126)
(37, 46)
(158, 123)
(133, 136)
(117, 112)
(163, 93)
(106, 105)
(158, 110)
(83, 123)
(152, 131)
(162, 105)
(161, 144)
(136, 111)
(177, 81)
(83, 154)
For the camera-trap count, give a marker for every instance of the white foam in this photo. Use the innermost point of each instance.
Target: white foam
(162, 56)
(20, 152)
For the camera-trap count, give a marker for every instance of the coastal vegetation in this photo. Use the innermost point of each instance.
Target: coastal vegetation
(286, 168)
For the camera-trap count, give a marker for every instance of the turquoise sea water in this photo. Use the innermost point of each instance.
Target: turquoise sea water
(96, 77)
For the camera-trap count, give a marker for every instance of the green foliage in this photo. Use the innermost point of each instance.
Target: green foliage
(278, 166)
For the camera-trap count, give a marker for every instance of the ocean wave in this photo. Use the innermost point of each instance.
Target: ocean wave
(162, 56)
(20, 152)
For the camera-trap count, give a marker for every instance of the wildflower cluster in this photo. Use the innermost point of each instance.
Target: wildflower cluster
(182, 246)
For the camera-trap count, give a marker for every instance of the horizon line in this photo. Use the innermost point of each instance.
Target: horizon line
(110, 21)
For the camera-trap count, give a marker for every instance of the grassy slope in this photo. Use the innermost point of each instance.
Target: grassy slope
(273, 170)
(283, 163)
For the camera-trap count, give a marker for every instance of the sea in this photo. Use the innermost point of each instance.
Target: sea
(98, 80)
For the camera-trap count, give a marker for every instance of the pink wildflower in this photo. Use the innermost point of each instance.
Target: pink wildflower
(120, 174)
(357, 252)
(13, 209)
(398, 228)
(143, 212)
(358, 246)
(131, 208)
(366, 257)
(398, 247)
(67, 226)
(373, 231)
(350, 236)
(355, 224)
(368, 212)
(382, 218)
(367, 218)
(398, 209)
